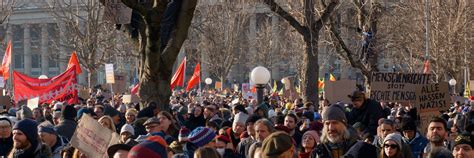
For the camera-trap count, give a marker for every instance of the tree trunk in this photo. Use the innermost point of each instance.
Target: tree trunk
(91, 78)
(310, 70)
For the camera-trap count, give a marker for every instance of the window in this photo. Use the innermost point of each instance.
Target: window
(17, 45)
(35, 60)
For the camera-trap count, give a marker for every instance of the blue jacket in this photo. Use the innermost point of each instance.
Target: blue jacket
(417, 144)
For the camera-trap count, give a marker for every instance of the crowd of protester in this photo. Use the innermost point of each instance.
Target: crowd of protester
(225, 125)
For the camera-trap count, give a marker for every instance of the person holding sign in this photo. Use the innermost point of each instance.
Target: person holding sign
(366, 111)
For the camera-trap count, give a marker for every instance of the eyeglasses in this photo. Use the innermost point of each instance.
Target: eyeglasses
(393, 146)
(5, 127)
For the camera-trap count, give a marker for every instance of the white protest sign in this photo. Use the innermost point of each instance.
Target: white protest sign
(127, 98)
(33, 103)
(92, 139)
(109, 73)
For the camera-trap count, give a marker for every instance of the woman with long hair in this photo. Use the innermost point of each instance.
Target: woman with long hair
(168, 124)
(107, 122)
(206, 152)
(392, 146)
(309, 141)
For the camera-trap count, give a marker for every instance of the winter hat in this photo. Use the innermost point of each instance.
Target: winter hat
(252, 119)
(127, 128)
(47, 127)
(5, 121)
(116, 147)
(108, 110)
(176, 147)
(408, 125)
(82, 111)
(276, 144)
(357, 95)
(240, 118)
(464, 138)
(153, 147)
(58, 106)
(12, 112)
(240, 107)
(334, 112)
(69, 113)
(201, 136)
(397, 138)
(271, 113)
(183, 134)
(182, 110)
(249, 110)
(361, 150)
(122, 107)
(29, 128)
(309, 115)
(312, 133)
(223, 138)
(25, 112)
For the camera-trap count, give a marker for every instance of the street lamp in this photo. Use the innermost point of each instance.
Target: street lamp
(208, 81)
(43, 77)
(452, 82)
(260, 76)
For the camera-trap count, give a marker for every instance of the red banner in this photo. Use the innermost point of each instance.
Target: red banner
(59, 88)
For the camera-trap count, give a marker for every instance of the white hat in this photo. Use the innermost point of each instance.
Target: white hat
(240, 118)
(127, 128)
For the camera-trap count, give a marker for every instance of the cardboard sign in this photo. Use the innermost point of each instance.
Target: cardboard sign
(5, 102)
(92, 139)
(396, 87)
(109, 73)
(236, 87)
(338, 90)
(425, 118)
(33, 103)
(120, 83)
(218, 85)
(432, 97)
(127, 98)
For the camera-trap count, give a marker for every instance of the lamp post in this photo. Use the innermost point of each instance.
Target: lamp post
(208, 82)
(452, 83)
(260, 76)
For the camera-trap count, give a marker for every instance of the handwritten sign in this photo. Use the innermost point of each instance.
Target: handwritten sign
(109, 73)
(338, 90)
(93, 139)
(33, 103)
(396, 87)
(127, 99)
(432, 97)
(218, 85)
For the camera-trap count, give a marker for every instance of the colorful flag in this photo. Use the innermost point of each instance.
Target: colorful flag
(467, 91)
(74, 61)
(178, 77)
(195, 79)
(275, 86)
(7, 59)
(332, 78)
(281, 91)
(135, 89)
(321, 85)
(426, 67)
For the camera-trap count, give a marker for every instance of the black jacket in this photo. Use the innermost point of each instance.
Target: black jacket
(368, 115)
(66, 128)
(6, 144)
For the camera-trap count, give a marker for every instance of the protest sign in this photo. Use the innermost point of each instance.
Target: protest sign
(59, 88)
(432, 97)
(33, 103)
(218, 85)
(339, 90)
(84, 93)
(119, 85)
(245, 87)
(396, 87)
(236, 87)
(109, 73)
(127, 99)
(425, 118)
(5, 102)
(92, 139)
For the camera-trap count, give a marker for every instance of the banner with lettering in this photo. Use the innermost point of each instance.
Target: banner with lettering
(396, 87)
(59, 88)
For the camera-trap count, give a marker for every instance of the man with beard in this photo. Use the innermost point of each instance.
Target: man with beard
(263, 128)
(6, 141)
(436, 135)
(336, 139)
(50, 137)
(25, 141)
(244, 145)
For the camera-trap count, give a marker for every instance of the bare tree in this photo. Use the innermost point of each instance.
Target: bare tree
(220, 28)
(159, 49)
(6, 9)
(315, 15)
(81, 22)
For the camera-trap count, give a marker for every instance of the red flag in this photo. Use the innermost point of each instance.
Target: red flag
(74, 61)
(7, 59)
(195, 79)
(59, 88)
(135, 89)
(426, 67)
(178, 77)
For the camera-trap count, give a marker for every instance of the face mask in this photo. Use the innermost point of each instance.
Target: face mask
(221, 151)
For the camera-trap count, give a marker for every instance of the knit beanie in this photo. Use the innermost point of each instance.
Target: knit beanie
(276, 144)
(252, 119)
(110, 111)
(29, 128)
(334, 112)
(408, 125)
(223, 138)
(5, 121)
(69, 113)
(312, 133)
(183, 134)
(46, 127)
(397, 138)
(240, 118)
(25, 112)
(153, 147)
(201, 136)
(464, 138)
(176, 147)
(127, 128)
(82, 111)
